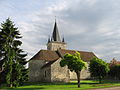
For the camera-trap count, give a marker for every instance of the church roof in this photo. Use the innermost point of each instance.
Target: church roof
(46, 55)
(55, 35)
(55, 55)
(86, 56)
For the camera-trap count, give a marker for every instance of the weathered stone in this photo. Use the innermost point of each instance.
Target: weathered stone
(59, 73)
(49, 70)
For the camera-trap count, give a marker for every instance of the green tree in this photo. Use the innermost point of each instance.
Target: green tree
(98, 68)
(74, 63)
(12, 57)
(115, 71)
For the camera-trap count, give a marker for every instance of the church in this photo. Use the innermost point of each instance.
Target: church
(44, 66)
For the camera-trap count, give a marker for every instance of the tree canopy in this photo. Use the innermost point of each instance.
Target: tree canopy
(115, 71)
(74, 63)
(98, 68)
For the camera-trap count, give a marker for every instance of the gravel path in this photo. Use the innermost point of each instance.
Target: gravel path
(110, 88)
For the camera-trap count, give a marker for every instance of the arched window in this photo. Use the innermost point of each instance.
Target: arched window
(45, 73)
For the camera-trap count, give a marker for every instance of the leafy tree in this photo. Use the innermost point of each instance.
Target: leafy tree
(115, 71)
(74, 63)
(98, 68)
(12, 57)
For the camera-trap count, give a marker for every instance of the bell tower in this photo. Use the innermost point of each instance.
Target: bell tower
(55, 42)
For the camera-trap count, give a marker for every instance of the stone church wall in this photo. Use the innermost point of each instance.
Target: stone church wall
(58, 73)
(52, 73)
(85, 74)
(35, 72)
(55, 46)
(46, 74)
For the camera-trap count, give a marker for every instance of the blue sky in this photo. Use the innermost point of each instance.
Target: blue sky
(87, 25)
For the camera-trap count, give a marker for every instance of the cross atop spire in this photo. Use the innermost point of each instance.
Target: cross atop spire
(55, 35)
(55, 18)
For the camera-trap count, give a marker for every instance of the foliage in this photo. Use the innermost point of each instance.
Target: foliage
(115, 71)
(74, 63)
(12, 57)
(98, 68)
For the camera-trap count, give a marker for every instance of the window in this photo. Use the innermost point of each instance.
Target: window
(45, 74)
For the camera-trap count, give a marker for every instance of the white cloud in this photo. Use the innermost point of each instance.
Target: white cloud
(90, 25)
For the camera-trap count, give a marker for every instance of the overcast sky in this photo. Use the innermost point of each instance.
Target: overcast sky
(87, 25)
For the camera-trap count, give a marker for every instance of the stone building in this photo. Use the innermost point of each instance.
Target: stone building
(44, 66)
(114, 62)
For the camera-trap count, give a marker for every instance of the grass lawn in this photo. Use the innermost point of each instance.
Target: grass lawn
(85, 85)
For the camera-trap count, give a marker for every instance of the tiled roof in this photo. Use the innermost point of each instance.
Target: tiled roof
(55, 55)
(52, 56)
(46, 55)
(86, 56)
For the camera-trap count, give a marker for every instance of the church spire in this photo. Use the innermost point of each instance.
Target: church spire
(63, 40)
(55, 35)
(48, 40)
(55, 42)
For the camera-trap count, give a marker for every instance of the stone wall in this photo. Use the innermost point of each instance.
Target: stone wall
(36, 73)
(47, 74)
(52, 73)
(85, 74)
(56, 45)
(58, 73)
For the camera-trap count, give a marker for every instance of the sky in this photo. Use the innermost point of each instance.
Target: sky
(86, 25)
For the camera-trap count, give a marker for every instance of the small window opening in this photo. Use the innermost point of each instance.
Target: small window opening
(45, 73)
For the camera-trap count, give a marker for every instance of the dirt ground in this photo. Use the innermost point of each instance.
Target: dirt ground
(110, 88)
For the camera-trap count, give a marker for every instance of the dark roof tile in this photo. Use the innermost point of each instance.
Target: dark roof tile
(86, 56)
(46, 55)
(54, 55)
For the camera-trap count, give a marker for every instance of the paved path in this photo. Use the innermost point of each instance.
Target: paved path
(110, 88)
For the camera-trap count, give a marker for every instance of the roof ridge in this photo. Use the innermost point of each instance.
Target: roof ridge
(75, 50)
(47, 50)
(59, 54)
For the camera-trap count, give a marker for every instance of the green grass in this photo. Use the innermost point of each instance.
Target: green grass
(85, 85)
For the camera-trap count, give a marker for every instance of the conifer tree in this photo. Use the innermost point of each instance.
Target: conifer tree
(11, 55)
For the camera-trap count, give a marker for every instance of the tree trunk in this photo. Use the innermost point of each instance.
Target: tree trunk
(11, 85)
(78, 78)
(100, 79)
(0, 82)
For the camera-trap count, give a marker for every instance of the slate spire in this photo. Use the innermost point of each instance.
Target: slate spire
(55, 34)
(63, 40)
(48, 40)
